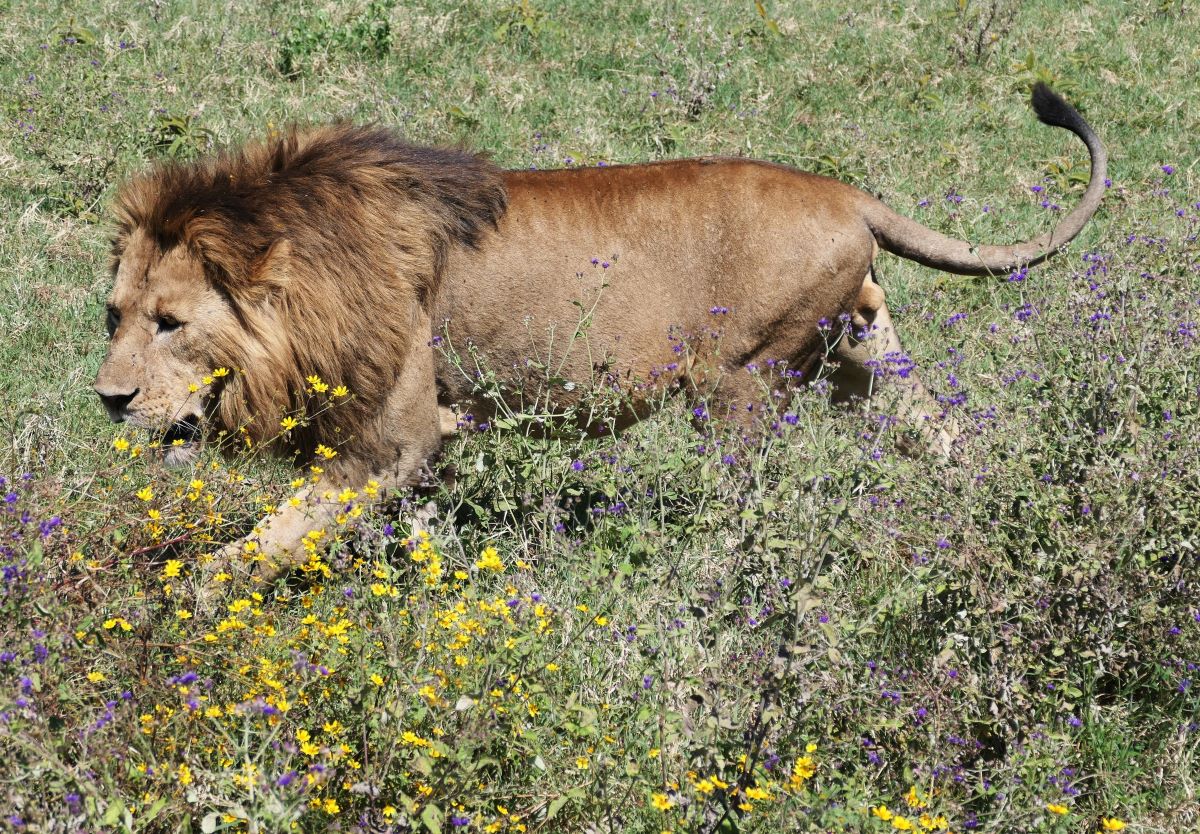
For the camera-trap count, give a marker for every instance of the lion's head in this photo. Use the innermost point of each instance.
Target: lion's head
(275, 262)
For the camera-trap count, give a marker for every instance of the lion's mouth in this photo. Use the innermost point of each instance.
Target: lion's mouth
(179, 442)
(186, 430)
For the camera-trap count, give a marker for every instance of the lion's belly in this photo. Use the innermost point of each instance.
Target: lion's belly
(638, 276)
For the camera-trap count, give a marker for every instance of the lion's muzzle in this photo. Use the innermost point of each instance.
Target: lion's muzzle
(116, 400)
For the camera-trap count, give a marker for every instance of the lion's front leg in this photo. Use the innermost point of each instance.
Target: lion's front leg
(291, 536)
(286, 539)
(390, 454)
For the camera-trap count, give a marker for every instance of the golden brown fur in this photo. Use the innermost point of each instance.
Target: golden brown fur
(346, 253)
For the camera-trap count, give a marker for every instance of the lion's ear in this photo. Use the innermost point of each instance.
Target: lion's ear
(270, 275)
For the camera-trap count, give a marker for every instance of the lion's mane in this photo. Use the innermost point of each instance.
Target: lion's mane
(316, 237)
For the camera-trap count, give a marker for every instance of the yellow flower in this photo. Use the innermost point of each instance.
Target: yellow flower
(805, 767)
(601, 620)
(913, 800)
(661, 802)
(489, 559)
(309, 749)
(1112, 824)
(120, 444)
(1056, 809)
(376, 679)
(340, 391)
(289, 423)
(581, 762)
(810, 748)
(95, 677)
(551, 667)
(171, 568)
(653, 752)
(325, 452)
(882, 812)
(220, 372)
(330, 806)
(388, 812)
(145, 494)
(901, 824)
(185, 774)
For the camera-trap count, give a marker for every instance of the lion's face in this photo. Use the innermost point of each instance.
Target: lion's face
(162, 316)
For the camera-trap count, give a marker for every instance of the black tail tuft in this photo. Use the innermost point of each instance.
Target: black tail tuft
(1053, 109)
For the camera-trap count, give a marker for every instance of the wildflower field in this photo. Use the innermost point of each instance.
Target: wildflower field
(670, 630)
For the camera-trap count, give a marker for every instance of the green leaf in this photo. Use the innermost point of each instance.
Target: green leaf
(556, 806)
(150, 813)
(112, 814)
(432, 817)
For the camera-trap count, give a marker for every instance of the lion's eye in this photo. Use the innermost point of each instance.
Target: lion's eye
(113, 321)
(167, 324)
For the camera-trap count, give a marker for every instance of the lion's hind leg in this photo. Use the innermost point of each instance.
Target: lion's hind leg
(870, 357)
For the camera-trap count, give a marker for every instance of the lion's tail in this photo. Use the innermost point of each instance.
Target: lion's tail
(909, 239)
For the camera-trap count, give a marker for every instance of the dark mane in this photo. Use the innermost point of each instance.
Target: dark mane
(319, 180)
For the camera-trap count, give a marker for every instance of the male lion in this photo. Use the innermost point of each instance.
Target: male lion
(347, 253)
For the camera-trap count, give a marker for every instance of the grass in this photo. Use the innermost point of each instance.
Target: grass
(665, 631)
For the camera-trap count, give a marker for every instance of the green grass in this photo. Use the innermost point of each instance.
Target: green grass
(1016, 630)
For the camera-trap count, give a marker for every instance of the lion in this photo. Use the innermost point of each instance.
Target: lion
(346, 254)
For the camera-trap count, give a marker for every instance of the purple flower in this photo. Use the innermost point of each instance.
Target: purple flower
(1168, 169)
(578, 465)
(459, 822)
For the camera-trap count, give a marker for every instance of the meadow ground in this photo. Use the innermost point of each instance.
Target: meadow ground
(666, 631)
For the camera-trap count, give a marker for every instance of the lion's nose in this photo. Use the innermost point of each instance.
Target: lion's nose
(116, 401)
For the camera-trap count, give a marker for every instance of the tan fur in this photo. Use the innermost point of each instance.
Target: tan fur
(346, 253)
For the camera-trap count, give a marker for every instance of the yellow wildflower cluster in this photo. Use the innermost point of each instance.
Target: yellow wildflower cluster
(916, 803)
(743, 795)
